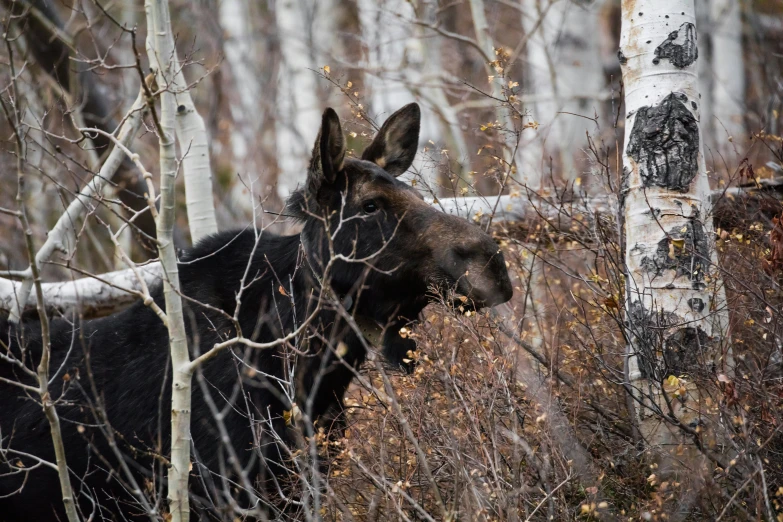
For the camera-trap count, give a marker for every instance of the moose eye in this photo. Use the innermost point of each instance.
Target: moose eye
(369, 207)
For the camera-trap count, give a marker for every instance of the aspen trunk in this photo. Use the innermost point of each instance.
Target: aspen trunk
(512, 152)
(395, 66)
(297, 97)
(161, 53)
(565, 70)
(386, 36)
(429, 64)
(236, 24)
(728, 93)
(675, 317)
(189, 127)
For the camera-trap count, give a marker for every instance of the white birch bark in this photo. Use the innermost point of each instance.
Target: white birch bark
(161, 52)
(564, 61)
(728, 66)
(235, 22)
(386, 39)
(190, 131)
(396, 70)
(539, 82)
(427, 84)
(90, 296)
(298, 103)
(673, 288)
(704, 66)
(62, 237)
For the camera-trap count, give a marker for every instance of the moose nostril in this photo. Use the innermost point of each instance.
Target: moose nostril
(462, 252)
(471, 249)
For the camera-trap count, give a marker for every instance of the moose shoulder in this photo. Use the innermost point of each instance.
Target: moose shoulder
(371, 252)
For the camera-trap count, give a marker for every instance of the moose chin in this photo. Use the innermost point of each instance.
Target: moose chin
(371, 255)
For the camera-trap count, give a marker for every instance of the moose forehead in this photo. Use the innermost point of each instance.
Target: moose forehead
(369, 180)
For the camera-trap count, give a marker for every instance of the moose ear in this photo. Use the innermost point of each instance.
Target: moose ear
(394, 147)
(328, 153)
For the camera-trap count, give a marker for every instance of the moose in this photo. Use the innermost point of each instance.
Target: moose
(370, 256)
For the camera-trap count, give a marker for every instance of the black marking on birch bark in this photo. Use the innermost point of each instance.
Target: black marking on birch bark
(681, 350)
(680, 47)
(684, 349)
(664, 143)
(646, 332)
(621, 57)
(684, 250)
(696, 304)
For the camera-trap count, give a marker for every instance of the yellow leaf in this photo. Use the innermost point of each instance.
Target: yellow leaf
(673, 381)
(287, 417)
(679, 243)
(327, 70)
(281, 290)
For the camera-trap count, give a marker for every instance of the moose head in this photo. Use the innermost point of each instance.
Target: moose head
(388, 247)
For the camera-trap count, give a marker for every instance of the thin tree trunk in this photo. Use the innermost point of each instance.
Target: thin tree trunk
(385, 35)
(429, 65)
(235, 21)
(160, 48)
(674, 293)
(42, 371)
(190, 131)
(396, 67)
(297, 97)
(706, 80)
(728, 94)
(564, 61)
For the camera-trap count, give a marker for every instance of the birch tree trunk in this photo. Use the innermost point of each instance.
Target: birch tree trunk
(728, 92)
(431, 90)
(675, 317)
(704, 67)
(386, 38)
(564, 62)
(297, 97)
(190, 130)
(161, 53)
(235, 22)
(395, 68)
